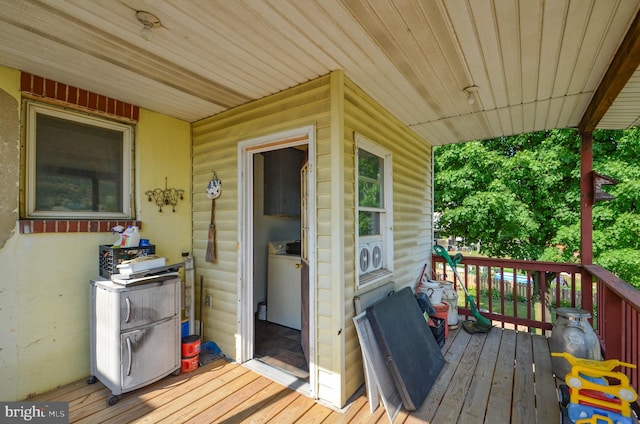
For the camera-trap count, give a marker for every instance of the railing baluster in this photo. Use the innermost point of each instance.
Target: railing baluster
(529, 298)
(502, 293)
(514, 283)
(573, 290)
(489, 289)
(559, 290)
(543, 295)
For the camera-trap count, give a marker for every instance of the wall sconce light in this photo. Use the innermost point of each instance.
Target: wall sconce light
(149, 21)
(166, 197)
(471, 91)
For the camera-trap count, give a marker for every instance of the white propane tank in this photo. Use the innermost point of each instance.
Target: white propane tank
(450, 297)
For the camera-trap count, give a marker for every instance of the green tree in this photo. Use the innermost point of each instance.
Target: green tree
(512, 193)
(520, 197)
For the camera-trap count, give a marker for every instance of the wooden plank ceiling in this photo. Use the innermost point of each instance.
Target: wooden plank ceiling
(536, 63)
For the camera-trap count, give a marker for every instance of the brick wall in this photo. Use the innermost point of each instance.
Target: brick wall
(48, 89)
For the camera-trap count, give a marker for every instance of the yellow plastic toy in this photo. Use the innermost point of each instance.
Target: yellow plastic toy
(593, 397)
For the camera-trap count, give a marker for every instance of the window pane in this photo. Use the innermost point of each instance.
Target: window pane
(78, 166)
(370, 178)
(368, 223)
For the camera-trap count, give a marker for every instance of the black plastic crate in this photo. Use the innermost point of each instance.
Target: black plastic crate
(110, 257)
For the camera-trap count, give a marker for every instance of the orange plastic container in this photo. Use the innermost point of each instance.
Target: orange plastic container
(190, 346)
(442, 311)
(189, 364)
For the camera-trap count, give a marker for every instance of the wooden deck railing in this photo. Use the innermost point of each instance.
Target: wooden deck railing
(618, 319)
(526, 294)
(522, 293)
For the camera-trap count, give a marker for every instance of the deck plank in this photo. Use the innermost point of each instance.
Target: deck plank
(209, 410)
(279, 403)
(475, 404)
(523, 405)
(201, 397)
(499, 405)
(483, 372)
(69, 392)
(317, 414)
(547, 407)
(350, 411)
(365, 417)
(454, 397)
(430, 406)
(294, 411)
(195, 390)
(135, 400)
(254, 403)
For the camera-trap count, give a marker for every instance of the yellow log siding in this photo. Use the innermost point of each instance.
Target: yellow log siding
(215, 147)
(338, 109)
(412, 204)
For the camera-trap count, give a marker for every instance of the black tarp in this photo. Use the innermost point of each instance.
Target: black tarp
(410, 349)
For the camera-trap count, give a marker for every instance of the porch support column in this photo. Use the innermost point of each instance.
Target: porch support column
(586, 217)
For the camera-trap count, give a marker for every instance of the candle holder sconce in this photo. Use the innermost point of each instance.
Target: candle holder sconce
(166, 197)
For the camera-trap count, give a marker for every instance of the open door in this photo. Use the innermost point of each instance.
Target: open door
(304, 259)
(250, 241)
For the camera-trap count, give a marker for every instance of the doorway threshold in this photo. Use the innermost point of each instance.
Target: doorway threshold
(279, 376)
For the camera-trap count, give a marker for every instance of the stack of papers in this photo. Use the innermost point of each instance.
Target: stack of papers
(152, 278)
(142, 263)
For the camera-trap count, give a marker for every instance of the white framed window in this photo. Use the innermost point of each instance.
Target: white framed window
(78, 165)
(374, 235)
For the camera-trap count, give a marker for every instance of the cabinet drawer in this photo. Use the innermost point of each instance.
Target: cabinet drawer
(146, 305)
(148, 353)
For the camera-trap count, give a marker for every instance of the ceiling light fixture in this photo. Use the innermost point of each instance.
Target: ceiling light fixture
(149, 21)
(471, 91)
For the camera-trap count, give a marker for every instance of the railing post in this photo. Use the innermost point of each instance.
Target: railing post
(586, 218)
(586, 198)
(612, 310)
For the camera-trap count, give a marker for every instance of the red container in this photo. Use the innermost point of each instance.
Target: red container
(190, 346)
(189, 364)
(442, 311)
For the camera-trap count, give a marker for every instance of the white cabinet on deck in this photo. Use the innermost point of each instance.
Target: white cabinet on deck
(135, 333)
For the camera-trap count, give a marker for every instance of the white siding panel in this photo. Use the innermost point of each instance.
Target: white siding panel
(577, 16)
(626, 108)
(541, 115)
(460, 20)
(488, 37)
(528, 116)
(507, 121)
(493, 120)
(412, 57)
(508, 21)
(530, 19)
(552, 27)
(605, 31)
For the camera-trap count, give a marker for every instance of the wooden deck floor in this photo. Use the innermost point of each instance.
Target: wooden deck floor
(500, 377)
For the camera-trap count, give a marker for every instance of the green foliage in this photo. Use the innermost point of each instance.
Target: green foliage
(625, 263)
(511, 193)
(520, 197)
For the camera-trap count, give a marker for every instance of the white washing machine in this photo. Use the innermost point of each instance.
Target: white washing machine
(284, 295)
